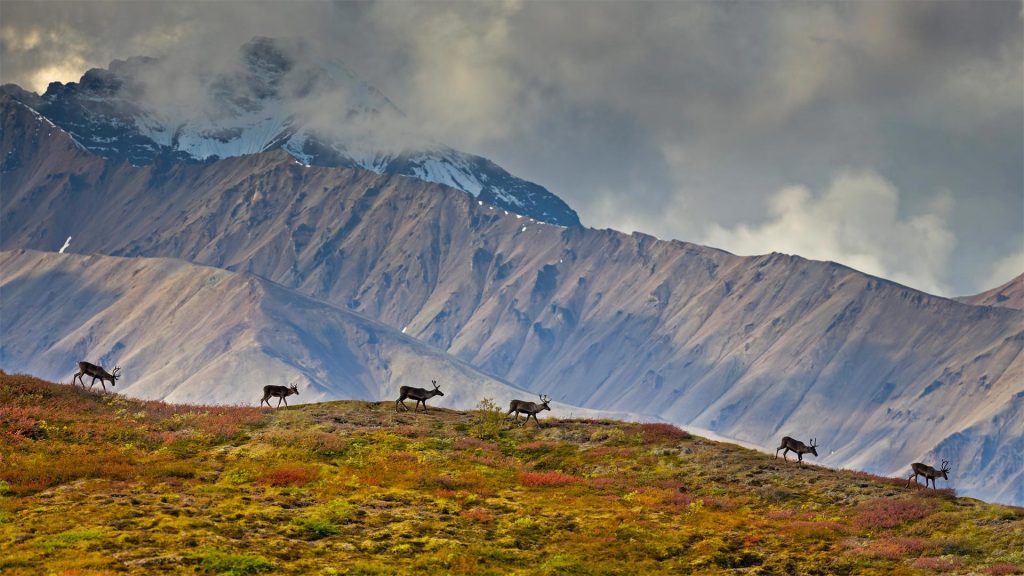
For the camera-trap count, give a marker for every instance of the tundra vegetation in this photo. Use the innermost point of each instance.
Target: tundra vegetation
(95, 483)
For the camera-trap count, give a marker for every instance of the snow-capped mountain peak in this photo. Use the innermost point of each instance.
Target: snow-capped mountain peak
(275, 93)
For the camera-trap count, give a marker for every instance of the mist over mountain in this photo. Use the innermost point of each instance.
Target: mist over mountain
(275, 94)
(752, 348)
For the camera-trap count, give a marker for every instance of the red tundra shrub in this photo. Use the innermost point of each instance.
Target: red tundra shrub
(606, 483)
(662, 433)
(290, 475)
(889, 513)
(470, 443)
(679, 499)
(1003, 569)
(16, 422)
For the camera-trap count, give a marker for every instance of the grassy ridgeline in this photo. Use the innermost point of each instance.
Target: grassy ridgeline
(97, 483)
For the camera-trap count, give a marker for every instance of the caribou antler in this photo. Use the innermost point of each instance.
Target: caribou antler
(945, 465)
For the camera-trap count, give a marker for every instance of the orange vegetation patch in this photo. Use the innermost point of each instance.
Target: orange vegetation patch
(891, 548)
(478, 515)
(538, 446)
(290, 475)
(33, 472)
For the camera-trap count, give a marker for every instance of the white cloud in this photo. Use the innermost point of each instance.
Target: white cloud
(857, 222)
(1006, 268)
(741, 99)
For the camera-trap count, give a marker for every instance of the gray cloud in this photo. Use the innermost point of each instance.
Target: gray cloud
(679, 119)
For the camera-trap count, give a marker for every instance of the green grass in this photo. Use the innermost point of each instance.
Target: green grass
(356, 488)
(221, 562)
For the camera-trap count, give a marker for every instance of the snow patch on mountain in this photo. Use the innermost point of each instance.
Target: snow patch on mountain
(448, 173)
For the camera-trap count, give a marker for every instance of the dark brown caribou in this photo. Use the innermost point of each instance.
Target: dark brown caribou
(279, 392)
(417, 394)
(528, 408)
(796, 446)
(97, 373)
(928, 472)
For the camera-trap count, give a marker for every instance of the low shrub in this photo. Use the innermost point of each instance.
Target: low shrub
(893, 548)
(68, 539)
(477, 515)
(470, 443)
(889, 513)
(221, 562)
(546, 479)
(316, 528)
(936, 564)
(290, 475)
(488, 419)
(1004, 569)
(537, 446)
(660, 432)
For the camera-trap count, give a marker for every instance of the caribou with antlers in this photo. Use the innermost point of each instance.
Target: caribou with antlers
(279, 392)
(528, 408)
(417, 394)
(97, 373)
(928, 472)
(796, 446)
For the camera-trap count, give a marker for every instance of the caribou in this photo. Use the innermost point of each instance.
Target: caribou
(928, 472)
(417, 394)
(528, 408)
(97, 373)
(796, 446)
(279, 392)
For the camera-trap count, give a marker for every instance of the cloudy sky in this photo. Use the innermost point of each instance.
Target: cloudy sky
(885, 135)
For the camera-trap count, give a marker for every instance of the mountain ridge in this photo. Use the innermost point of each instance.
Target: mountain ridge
(1008, 295)
(748, 347)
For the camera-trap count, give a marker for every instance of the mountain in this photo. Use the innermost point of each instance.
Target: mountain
(352, 487)
(195, 334)
(1009, 295)
(751, 348)
(276, 95)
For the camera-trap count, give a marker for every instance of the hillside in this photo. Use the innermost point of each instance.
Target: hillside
(194, 334)
(749, 348)
(1009, 295)
(351, 487)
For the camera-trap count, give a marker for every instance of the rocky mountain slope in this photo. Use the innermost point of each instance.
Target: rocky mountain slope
(352, 487)
(195, 334)
(751, 348)
(1009, 295)
(275, 96)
